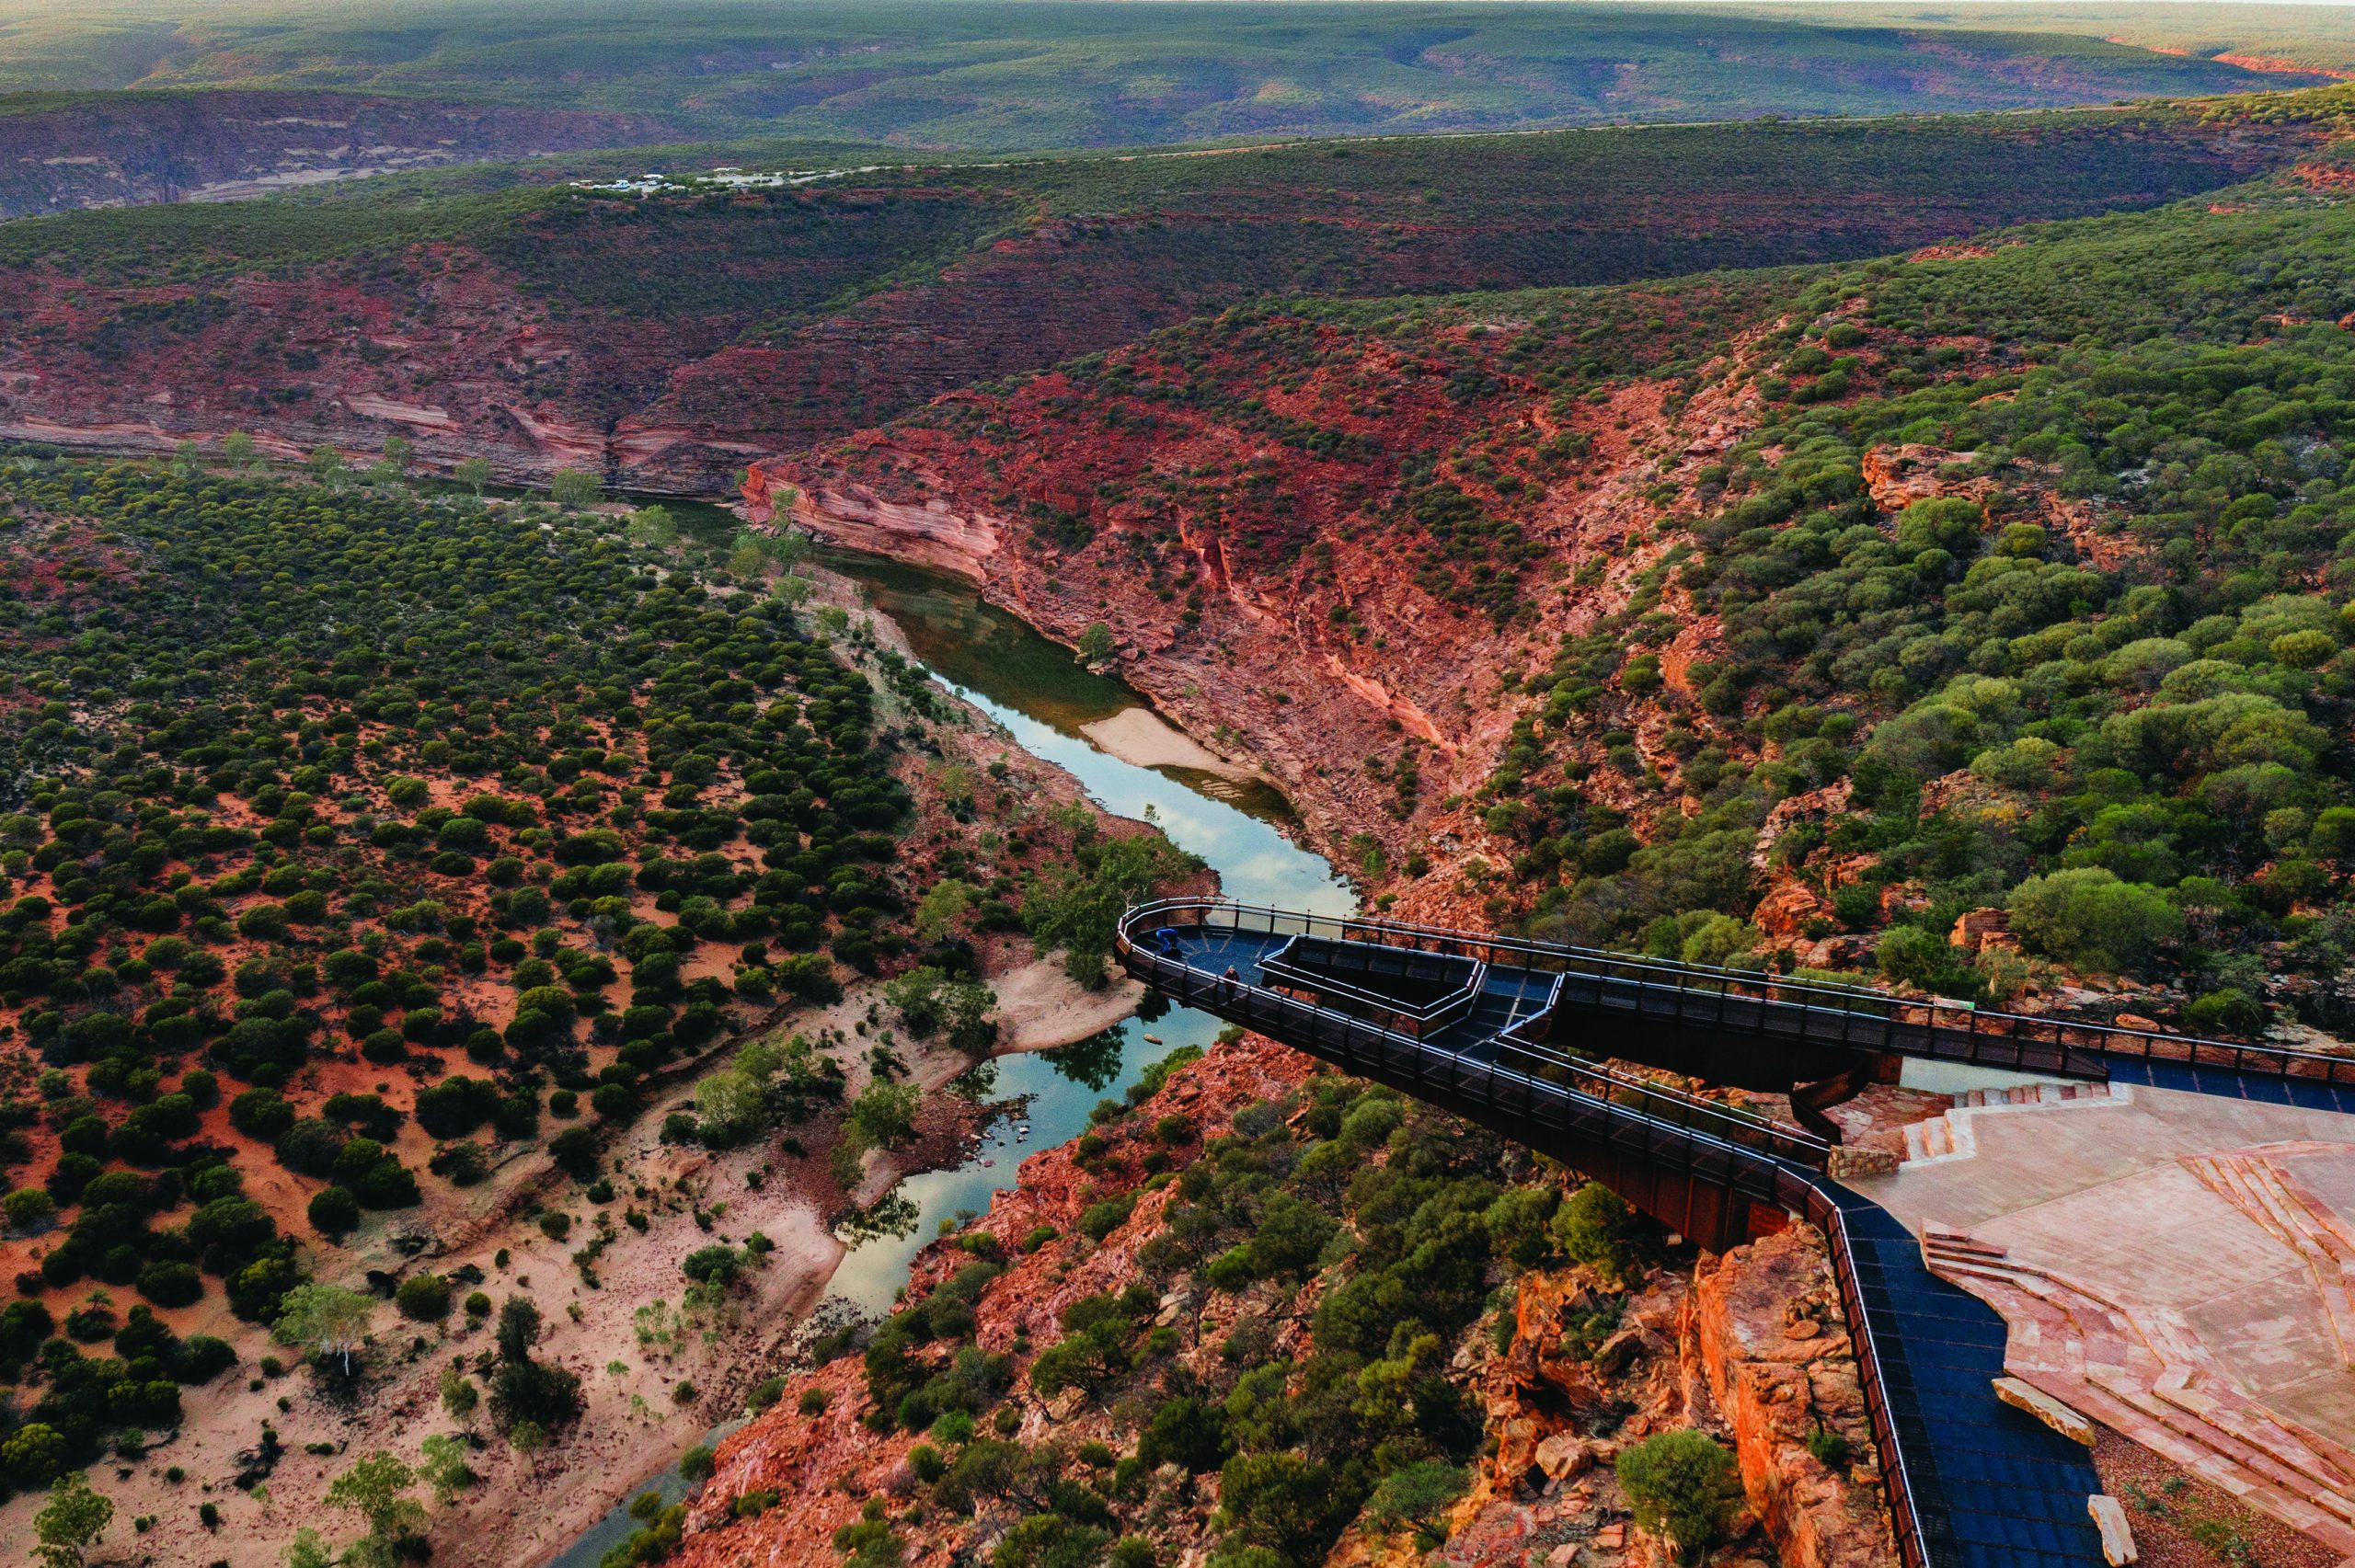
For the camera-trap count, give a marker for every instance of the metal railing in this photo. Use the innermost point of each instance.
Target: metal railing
(1810, 1012)
(1458, 1077)
(1438, 1013)
(1621, 1114)
(1897, 1475)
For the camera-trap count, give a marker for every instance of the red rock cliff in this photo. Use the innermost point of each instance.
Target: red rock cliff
(1765, 1326)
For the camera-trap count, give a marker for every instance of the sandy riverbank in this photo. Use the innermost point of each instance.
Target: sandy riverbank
(1142, 737)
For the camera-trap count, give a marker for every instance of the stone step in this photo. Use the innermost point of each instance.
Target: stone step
(2309, 1480)
(2300, 1475)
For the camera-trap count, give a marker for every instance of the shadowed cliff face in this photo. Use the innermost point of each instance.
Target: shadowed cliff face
(1330, 538)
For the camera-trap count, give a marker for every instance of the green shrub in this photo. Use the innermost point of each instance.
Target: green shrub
(1595, 1227)
(2088, 918)
(423, 1297)
(333, 1211)
(2225, 1010)
(1682, 1484)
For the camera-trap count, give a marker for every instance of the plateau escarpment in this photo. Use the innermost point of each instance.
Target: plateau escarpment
(1122, 75)
(662, 339)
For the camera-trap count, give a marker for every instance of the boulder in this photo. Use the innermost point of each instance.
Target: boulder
(2116, 1535)
(2045, 1408)
(1563, 1457)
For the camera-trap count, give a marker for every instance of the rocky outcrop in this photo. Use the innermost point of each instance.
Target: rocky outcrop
(1750, 1348)
(1271, 597)
(1765, 1326)
(933, 532)
(809, 1463)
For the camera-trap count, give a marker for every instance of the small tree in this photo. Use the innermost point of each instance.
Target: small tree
(327, 465)
(884, 1115)
(238, 448)
(1594, 1228)
(1289, 1504)
(444, 1467)
(654, 526)
(574, 488)
(376, 1488)
(398, 450)
(942, 907)
(324, 1320)
(916, 997)
(966, 1007)
(472, 471)
(1683, 1485)
(1417, 1497)
(71, 1523)
(459, 1395)
(1096, 645)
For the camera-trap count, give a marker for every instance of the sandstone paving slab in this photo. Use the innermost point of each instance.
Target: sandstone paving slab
(2177, 1266)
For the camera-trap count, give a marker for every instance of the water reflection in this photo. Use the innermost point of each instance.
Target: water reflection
(1043, 697)
(1034, 688)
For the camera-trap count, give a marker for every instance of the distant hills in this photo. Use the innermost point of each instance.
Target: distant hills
(1036, 75)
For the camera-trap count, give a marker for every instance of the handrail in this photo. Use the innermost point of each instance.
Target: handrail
(1724, 1126)
(1738, 1167)
(1984, 1035)
(1456, 1001)
(1897, 1475)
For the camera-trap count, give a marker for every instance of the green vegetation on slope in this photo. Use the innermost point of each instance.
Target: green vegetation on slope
(1382, 1224)
(2103, 677)
(2078, 648)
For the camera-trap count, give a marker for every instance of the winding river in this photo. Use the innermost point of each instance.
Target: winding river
(1049, 704)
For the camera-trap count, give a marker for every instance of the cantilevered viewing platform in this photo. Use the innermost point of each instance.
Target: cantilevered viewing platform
(1522, 1037)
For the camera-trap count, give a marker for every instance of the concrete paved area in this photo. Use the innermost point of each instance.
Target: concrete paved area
(2181, 1263)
